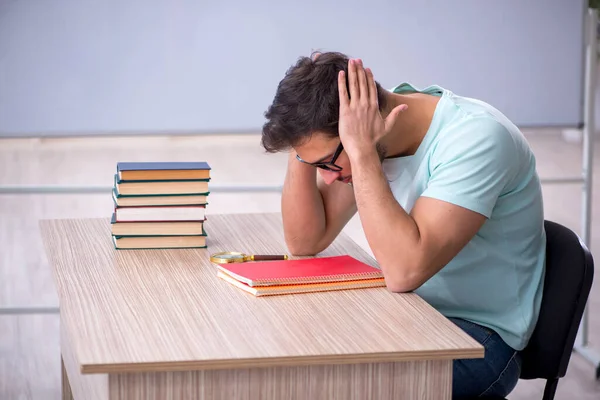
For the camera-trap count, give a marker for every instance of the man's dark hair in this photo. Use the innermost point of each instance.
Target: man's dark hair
(306, 101)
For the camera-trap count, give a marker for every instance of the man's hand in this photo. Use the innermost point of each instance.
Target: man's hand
(361, 125)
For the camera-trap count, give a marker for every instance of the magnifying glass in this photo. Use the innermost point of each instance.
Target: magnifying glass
(227, 257)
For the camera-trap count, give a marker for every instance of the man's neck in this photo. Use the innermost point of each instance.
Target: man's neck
(412, 124)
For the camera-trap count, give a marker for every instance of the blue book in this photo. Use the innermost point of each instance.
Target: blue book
(163, 171)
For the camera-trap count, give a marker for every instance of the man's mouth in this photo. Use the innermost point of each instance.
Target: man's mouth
(347, 180)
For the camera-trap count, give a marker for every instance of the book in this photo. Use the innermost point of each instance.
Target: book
(156, 171)
(121, 200)
(159, 242)
(159, 228)
(301, 271)
(160, 213)
(302, 288)
(160, 187)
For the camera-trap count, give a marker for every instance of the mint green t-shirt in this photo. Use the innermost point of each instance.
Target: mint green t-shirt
(474, 157)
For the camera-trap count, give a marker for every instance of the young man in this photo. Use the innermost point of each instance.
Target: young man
(446, 191)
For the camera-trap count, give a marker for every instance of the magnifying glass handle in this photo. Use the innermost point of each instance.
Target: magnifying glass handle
(268, 257)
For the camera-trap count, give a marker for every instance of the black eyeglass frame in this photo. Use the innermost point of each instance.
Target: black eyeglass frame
(327, 165)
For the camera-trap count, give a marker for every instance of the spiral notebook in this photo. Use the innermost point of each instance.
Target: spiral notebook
(302, 288)
(319, 270)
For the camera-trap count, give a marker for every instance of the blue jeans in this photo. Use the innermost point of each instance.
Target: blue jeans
(495, 375)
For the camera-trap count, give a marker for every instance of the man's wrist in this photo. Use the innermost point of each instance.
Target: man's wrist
(362, 154)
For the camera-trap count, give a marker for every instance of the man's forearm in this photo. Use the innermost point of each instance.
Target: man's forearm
(391, 232)
(302, 208)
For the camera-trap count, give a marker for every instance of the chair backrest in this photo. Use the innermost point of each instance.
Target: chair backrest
(567, 284)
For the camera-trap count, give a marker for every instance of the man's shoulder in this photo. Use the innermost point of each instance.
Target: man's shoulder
(476, 116)
(483, 146)
(470, 136)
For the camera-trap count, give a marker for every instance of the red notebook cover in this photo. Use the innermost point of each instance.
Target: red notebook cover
(302, 271)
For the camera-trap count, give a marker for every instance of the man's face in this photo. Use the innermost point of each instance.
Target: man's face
(328, 156)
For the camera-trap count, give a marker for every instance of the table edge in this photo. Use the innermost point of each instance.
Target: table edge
(475, 352)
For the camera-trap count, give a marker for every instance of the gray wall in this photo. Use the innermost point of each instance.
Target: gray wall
(88, 67)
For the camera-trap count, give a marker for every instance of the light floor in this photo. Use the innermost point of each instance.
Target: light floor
(29, 344)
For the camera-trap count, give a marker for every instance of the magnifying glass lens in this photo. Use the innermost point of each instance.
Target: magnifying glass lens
(227, 257)
(230, 256)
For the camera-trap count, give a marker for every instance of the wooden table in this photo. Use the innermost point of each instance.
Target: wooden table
(159, 324)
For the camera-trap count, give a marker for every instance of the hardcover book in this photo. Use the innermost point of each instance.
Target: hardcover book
(156, 171)
(121, 200)
(160, 187)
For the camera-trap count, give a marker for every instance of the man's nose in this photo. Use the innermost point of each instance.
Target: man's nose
(329, 176)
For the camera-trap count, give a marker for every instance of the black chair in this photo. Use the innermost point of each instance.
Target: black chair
(567, 284)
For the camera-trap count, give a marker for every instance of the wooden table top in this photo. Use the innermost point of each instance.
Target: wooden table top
(161, 310)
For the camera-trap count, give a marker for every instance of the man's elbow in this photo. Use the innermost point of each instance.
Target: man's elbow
(302, 251)
(303, 248)
(400, 286)
(403, 281)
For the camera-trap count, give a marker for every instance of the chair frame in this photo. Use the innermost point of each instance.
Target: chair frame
(582, 299)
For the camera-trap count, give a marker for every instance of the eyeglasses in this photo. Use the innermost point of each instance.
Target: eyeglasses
(327, 165)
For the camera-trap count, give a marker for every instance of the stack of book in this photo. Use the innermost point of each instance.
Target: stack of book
(268, 278)
(160, 205)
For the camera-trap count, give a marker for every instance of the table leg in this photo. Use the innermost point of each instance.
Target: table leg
(65, 385)
(425, 380)
(76, 385)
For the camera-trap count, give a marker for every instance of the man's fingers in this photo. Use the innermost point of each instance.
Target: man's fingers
(393, 115)
(363, 86)
(343, 93)
(372, 88)
(353, 81)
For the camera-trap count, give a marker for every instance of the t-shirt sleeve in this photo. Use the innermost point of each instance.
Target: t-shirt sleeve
(472, 165)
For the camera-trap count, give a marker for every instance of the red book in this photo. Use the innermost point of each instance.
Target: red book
(301, 271)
